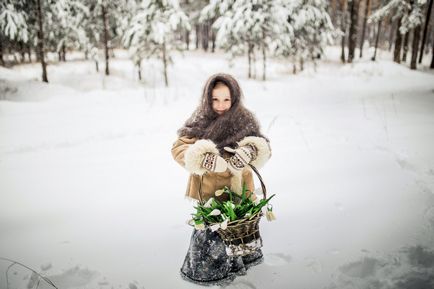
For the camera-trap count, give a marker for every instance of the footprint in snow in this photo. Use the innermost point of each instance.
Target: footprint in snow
(361, 269)
(314, 265)
(277, 259)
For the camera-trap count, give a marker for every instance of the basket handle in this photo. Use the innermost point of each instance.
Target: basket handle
(264, 189)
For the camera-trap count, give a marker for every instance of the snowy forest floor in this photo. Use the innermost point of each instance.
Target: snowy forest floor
(91, 197)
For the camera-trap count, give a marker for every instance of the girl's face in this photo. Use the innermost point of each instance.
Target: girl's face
(221, 99)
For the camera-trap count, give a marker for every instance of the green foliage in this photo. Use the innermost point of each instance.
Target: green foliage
(236, 208)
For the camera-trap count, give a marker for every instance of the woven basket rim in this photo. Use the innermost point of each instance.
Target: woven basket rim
(242, 220)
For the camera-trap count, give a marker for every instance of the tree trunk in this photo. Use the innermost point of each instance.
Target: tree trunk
(301, 64)
(106, 49)
(205, 36)
(376, 41)
(391, 33)
(352, 37)
(29, 52)
(343, 28)
(38, 58)
(96, 65)
(432, 56)
(254, 61)
(429, 39)
(415, 47)
(332, 11)
(365, 19)
(166, 81)
(2, 61)
(213, 38)
(139, 69)
(249, 59)
(197, 35)
(63, 53)
(398, 43)
(264, 59)
(187, 39)
(22, 52)
(405, 48)
(41, 42)
(425, 29)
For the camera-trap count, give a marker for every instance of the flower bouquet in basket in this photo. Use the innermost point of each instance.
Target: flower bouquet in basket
(235, 220)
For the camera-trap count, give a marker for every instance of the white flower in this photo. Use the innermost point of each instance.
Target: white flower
(215, 212)
(190, 222)
(219, 192)
(200, 226)
(224, 224)
(208, 203)
(270, 216)
(215, 227)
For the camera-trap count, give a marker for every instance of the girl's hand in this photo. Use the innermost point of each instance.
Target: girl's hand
(214, 163)
(242, 156)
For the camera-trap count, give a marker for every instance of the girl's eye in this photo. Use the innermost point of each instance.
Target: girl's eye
(227, 100)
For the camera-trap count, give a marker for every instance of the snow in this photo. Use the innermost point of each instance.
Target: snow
(91, 196)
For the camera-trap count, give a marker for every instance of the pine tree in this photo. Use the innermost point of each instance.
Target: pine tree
(13, 23)
(308, 31)
(13, 20)
(412, 21)
(192, 9)
(244, 25)
(314, 28)
(408, 14)
(106, 20)
(152, 32)
(68, 18)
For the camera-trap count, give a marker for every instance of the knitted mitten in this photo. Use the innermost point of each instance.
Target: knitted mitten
(214, 163)
(243, 155)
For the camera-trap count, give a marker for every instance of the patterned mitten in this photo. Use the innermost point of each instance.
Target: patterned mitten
(242, 156)
(214, 163)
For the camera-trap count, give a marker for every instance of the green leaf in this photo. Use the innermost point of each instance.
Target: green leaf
(230, 212)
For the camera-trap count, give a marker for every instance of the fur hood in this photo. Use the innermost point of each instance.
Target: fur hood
(227, 129)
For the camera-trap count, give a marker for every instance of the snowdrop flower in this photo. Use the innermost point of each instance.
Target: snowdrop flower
(269, 213)
(200, 226)
(215, 227)
(224, 224)
(270, 216)
(208, 203)
(219, 192)
(215, 212)
(190, 222)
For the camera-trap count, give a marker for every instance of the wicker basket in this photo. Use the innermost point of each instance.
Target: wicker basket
(242, 236)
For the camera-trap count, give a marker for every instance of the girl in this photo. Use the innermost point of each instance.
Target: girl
(215, 145)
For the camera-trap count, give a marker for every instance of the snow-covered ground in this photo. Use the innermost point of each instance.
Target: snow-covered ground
(91, 197)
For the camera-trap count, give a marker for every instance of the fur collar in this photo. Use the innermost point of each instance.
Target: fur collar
(224, 130)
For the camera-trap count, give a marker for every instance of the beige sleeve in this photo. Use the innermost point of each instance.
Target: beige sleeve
(179, 147)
